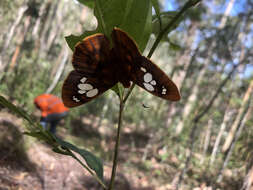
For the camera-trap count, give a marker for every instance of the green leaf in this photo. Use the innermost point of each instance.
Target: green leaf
(88, 3)
(124, 14)
(45, 136)
(119, 90)
(57, 150)
(37, 135)
(92, 161)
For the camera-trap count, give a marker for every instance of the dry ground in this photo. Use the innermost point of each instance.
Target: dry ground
(27, 164)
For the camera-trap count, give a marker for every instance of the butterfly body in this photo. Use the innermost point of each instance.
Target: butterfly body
(98, 67)
(122, 68)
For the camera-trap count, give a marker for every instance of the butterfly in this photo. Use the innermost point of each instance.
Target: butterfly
(98, 66)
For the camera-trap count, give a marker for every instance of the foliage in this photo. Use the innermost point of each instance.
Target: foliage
(123, 14)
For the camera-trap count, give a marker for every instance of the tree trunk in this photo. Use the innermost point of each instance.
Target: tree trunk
(57, 26)
(248, 180)
(20, 42)
(184, 61)
(233, 129)
(190, 104)
(172, 109)
(10, 34)
(22, 32)
(240, 125)
(207, 139)
(40, 23)
(42, 13)
(195, 91)
(197, 118)
(46, 28)
(226, 118)
(60, 70)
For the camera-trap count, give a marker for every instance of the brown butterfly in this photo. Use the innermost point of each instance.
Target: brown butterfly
(98, 67)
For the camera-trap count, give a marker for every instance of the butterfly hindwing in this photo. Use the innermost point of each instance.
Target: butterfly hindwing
(79, 88)
(151, 78)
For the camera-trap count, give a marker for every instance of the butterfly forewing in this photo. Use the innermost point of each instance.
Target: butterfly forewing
(144, 73)
(151, 78)
(124, 45)
(90, 53)
(79, 89)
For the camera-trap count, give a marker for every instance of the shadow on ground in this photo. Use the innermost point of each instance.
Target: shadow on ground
(121, 183)
(14, 162)
(12, 146)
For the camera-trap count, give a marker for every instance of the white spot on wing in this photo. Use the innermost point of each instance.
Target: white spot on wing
(143, 69)
(75, 99)
(149, 87)
(83, 79)
(164, 90)
(92, 93)
(85, 86)
(153, 82)
(147, 77)
(81, 91)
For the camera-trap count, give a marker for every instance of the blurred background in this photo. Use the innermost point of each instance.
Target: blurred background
(204, 141)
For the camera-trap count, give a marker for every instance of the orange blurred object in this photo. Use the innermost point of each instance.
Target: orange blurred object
(49, 104)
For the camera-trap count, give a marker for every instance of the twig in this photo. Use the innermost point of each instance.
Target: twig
(186, 6)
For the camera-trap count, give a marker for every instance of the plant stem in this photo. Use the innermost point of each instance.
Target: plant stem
(115, 159)
(186, 6)
(128, 93)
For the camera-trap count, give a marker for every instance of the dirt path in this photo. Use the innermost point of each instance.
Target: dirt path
(36, 167)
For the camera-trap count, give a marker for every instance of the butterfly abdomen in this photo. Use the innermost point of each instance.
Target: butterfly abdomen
(121, 68)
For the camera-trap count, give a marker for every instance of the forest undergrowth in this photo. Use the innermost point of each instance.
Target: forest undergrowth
(27, 164)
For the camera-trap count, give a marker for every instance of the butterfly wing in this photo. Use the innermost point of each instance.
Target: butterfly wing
(124, 45)
(79, 89)
(144, 73)
(91, 76)
(91, 53)
(152, 79)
